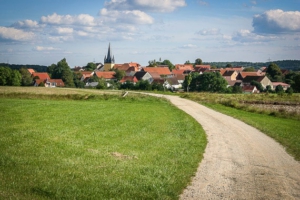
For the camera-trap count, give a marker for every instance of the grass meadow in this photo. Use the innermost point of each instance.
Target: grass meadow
(283, 127)
(69, 144)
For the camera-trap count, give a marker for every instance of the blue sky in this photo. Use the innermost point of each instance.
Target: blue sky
(45, 31)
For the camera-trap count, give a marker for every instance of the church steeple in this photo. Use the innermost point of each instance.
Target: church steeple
(109, 58)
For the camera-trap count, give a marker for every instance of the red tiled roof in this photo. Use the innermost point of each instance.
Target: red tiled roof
(159, 70)
(106, 75)
(280, 83)
(126, 66)
(42, 76)
(184, 67)
(129, 78)
(202, 67)
(31, 70)
(228, 73)
(178, 71)
(244, 74)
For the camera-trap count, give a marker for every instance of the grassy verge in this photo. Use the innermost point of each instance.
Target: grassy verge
(129, 148)
(283, 128)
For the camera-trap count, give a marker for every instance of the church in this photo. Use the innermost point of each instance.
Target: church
(109, 60)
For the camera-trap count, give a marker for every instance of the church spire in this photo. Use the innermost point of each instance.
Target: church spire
(109, 58)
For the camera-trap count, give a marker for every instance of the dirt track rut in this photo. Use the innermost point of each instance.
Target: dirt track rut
(240, 162)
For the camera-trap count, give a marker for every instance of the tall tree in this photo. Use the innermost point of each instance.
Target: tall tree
(168, 62)
(5, 74)
(26, 77)
(274, 72)
(212, 82)
(198, 61)
(63, 71)
(188, 80)
(15, 78)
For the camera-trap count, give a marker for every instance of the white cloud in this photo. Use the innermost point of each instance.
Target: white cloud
(41, 48)
(246, 36)
(65, 30)
(213, 31)
(15, 34)
(277, 21)
(189, 46)
(126, 16)
(26, 24)
(82, 19)
(147, 5)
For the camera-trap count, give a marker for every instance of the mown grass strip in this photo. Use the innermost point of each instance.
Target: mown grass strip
(132, 148)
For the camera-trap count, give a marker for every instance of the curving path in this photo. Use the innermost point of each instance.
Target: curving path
(240, 162)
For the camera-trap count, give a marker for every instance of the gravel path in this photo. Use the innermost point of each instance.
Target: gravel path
(240, 162)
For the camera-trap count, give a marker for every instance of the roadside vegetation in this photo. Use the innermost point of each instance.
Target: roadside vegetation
(82, 144)
(281, 125)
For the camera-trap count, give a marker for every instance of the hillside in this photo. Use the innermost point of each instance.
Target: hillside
(283, 64)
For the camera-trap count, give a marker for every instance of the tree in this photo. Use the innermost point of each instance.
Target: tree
(90, 66)
(15, 78)
(188, 80)
(212, 82)
(170, 65)
(51, 69)
(257, 85)
(76, 79)
(152, 63)
(101, 84)
(274, 72)
(119, 74)
(63, 71)
(229, 65)
(296, 85)
(249, 69)
(279, 89)
(289, 90)
(237, 89)
(26, 79)
(187, 62)
(269, 89)
(5, 73)
(198, 61)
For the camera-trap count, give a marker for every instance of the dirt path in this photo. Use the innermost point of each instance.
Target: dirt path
(239, 162)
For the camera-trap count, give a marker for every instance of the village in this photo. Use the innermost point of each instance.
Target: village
(161, 77)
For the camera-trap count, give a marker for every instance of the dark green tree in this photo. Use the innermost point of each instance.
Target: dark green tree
(168, 62)
(63, 71)
(198, 61)
(237, 89)
(249, 69)
(5, 75)
(127, 85)
(258, 85)
(26, 77)
(15, 78)
(90, 66)
(76, 79)
(212, 82)
(274, 73)
(296, 85)
(228, 65)
(289, 90)
(187, 62)
(119, 74)
(279, 89)
(50, 69)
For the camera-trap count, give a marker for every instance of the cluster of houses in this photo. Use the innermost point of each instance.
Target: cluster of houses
(161, 74)
(172, 80)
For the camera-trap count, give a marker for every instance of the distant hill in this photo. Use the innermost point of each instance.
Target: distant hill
(283, 64)
(37, 68)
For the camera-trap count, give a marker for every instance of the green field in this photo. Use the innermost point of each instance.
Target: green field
(103, 147)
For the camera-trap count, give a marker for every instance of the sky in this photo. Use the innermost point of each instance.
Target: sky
(43, 32)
